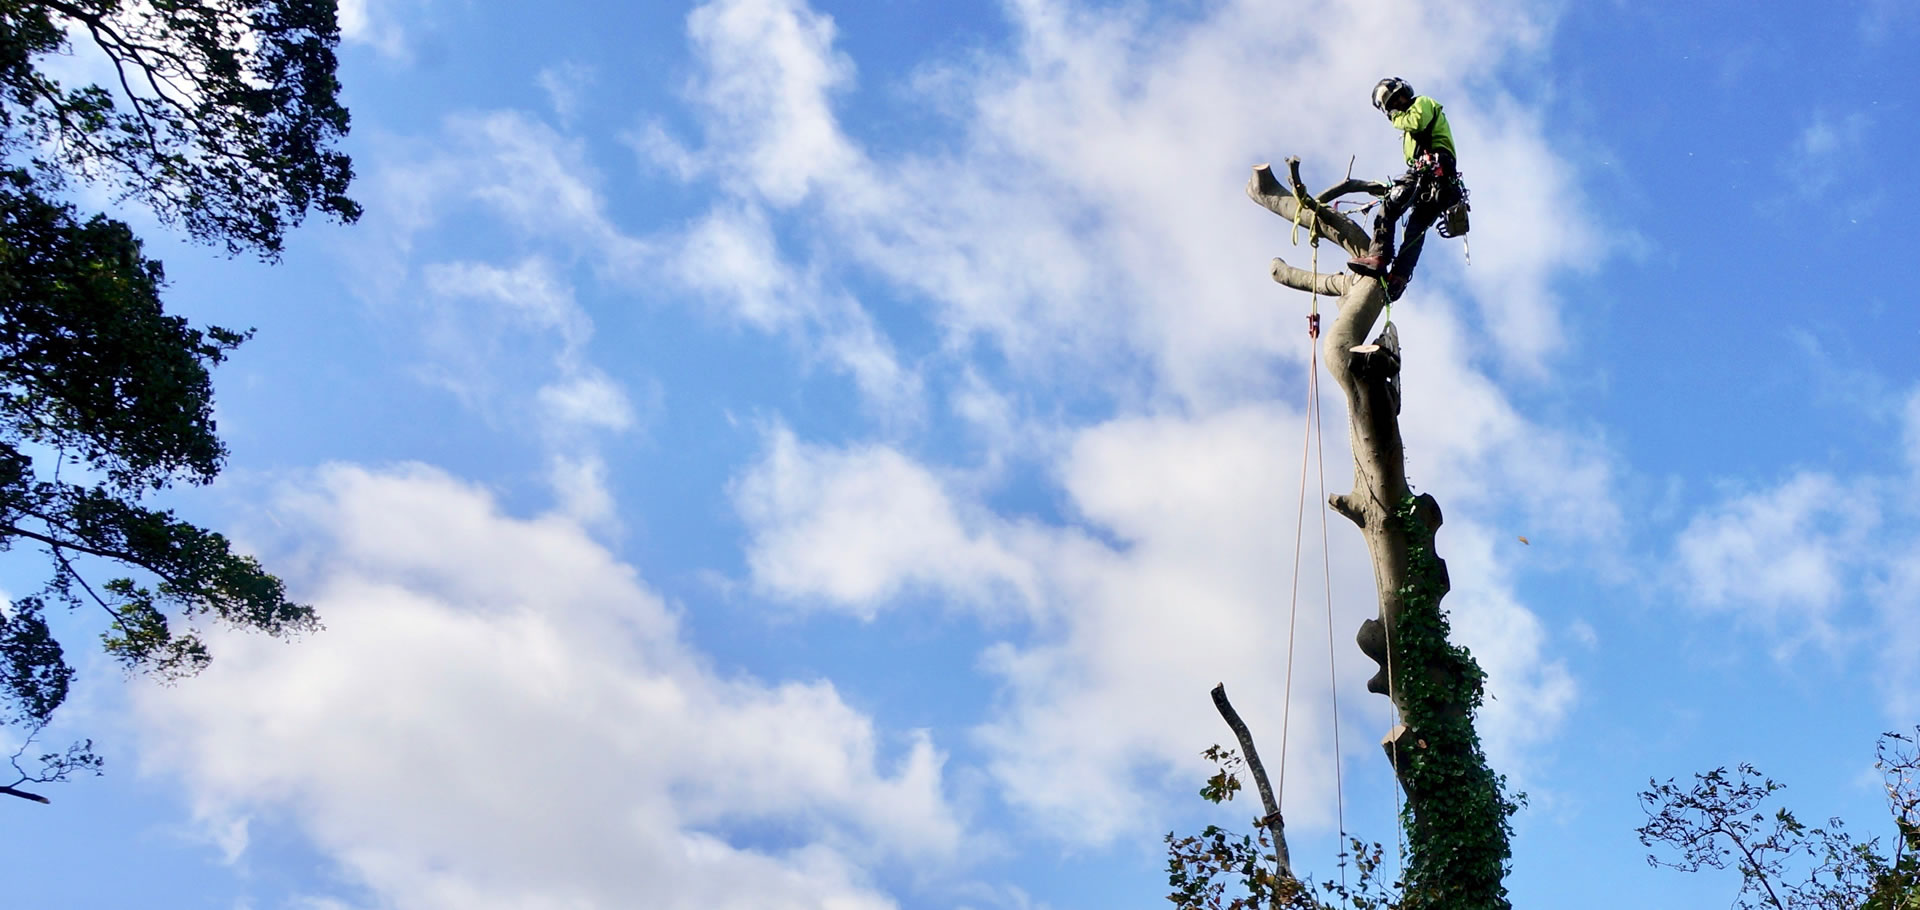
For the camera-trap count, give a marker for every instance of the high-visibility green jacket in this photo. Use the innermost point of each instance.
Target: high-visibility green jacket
(1423, 127)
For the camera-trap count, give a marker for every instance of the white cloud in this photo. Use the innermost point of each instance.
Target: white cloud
(529, 293)
(588, 398)
(1831, 559)
(730, 258)
(580, 486)
(1529, 692)
(1087, 220)
(1897, 601)
(565, 84)
(769, 66)
(499, 714)
(1083, 237)
(1092, 205)
(371, 22)
(1104, 689)
(475, 348)
(1820, 152)
(538, 183)
(1520, 189)
(854, 529)
(1781, 557)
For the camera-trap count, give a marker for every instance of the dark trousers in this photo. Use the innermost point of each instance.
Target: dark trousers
(1423, 194)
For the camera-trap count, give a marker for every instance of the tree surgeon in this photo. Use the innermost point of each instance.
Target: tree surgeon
(1430, 187)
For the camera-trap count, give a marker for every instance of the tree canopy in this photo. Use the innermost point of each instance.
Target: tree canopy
(222, 119)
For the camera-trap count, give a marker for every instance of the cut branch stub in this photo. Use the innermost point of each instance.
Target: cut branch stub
(1264, 188)
(1327, 284)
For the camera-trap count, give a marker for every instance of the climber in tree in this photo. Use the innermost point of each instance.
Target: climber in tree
(1430, 186)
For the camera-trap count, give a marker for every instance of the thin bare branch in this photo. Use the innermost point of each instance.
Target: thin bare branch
(1273, 821)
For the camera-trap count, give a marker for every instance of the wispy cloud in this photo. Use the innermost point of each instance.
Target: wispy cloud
(1821, 558)
(566, 85)
(1823, 150)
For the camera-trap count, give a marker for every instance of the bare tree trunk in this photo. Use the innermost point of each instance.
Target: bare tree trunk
(1457, 812)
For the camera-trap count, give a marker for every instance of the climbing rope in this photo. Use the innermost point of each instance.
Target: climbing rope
(1393, 754)
(1314, 445)
(1300, 513)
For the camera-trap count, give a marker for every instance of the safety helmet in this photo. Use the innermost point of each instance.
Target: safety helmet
(1385, 89)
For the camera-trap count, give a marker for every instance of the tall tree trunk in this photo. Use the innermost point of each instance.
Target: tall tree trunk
(1457, 811)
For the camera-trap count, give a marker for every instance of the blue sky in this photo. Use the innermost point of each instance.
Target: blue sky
(776, 454)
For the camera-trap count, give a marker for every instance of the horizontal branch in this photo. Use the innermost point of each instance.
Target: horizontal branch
(117, 555)
(1333, 283)
(10, 791)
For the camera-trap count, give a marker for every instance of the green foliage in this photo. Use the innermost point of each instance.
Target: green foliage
(1458, 840)
(1219, 869)
(92, 364)
(221, 118)
(32, 667)
(92, 369)
(1458, 826)
(1716, 823)
(1225, 781)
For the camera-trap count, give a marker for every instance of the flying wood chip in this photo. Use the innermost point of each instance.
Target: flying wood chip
(1526, 541)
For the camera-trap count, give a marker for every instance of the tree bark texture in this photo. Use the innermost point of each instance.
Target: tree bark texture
(1456, 812)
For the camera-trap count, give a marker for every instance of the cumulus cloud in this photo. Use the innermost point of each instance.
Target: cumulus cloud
(853, 529)
(501, 714)
(769, 67)
(1176, 574)
(1090, 223)
(1092, 204)
(1530, 692)
(1095, 279)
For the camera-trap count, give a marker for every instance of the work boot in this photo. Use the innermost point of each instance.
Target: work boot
(1396, 285)
(1372, 265)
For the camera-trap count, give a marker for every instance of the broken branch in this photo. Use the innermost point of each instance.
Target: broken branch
(1272, 822)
